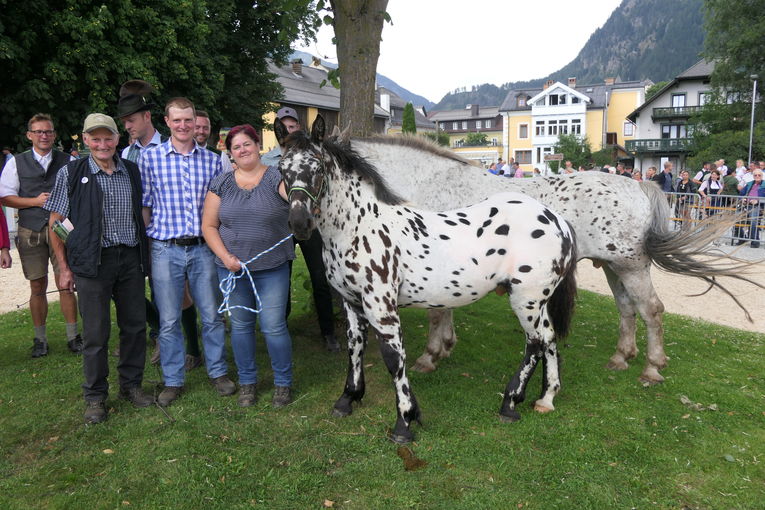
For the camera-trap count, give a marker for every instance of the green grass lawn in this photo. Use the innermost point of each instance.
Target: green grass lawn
(611, 443)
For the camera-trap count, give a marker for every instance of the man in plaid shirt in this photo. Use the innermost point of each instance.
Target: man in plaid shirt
(175, 176)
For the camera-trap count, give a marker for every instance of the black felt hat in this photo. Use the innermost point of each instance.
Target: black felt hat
(133, 98)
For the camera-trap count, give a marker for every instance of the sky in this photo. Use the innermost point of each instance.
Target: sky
(436, 46)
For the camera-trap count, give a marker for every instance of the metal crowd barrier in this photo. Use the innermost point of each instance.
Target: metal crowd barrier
(687, 209)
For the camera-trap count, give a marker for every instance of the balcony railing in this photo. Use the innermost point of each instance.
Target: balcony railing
(659, 145)
(674, 112)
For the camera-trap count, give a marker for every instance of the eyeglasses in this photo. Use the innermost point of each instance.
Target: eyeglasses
(41, 132)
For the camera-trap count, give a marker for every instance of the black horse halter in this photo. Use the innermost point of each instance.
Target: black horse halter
(315, 195)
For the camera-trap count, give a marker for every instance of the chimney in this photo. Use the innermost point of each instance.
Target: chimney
(572, 82)
(474, 110)
(548, 83)
(297, 66)
(610, 81)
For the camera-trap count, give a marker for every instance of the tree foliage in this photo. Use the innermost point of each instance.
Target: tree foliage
(654, 89)
(440, 137)
(408, 124)
(476, 139)
(574, 148)
(68, 58)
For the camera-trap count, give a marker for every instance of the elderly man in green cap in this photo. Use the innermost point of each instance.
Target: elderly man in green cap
(105, 257)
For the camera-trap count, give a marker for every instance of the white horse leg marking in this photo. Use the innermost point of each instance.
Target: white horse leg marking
(441, 340)
(550, 379)
(354, 382)
(626, 347)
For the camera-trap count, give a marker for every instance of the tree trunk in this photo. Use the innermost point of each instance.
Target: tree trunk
(358, 29)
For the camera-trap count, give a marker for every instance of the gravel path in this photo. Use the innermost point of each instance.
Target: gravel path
(674, 291)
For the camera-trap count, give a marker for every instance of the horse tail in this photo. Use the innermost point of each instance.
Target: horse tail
(560, 307)
(685, 252)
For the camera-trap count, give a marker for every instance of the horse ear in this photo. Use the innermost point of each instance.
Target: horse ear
(280, 130)
(317, 130)
(345, 136)
(335, 132)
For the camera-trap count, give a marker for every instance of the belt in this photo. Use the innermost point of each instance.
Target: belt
(186, 241)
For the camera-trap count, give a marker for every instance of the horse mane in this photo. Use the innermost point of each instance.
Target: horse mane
(349, 160)
(419, 143)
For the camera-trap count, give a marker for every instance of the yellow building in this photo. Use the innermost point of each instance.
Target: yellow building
(467, 126)
(534, 118)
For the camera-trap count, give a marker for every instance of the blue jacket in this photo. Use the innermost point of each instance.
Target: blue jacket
(760, 191)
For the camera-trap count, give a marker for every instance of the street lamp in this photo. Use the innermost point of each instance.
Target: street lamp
(751, 123)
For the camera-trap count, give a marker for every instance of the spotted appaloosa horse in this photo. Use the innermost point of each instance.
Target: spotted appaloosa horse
(381, 255)
(620, 224)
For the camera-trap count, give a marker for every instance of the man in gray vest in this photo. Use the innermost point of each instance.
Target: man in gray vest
(25, 185)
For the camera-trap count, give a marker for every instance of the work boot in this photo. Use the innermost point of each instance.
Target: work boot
(282, 396)
(193, 362)
(95, 412)
(224, 386)
(75, 344)
(247, 396)
(168, 395)
(136, 396)
(39, 348)
(332, 345)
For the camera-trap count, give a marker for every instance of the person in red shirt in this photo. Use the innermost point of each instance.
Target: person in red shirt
(5, 243)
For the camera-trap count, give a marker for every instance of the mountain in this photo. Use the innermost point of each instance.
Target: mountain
(642, 39)
(382, 80)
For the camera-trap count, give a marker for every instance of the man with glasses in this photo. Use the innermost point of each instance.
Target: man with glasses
(25, 184)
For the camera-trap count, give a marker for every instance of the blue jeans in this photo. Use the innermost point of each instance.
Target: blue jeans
(273, 288)
(753, 215)
(171, 265)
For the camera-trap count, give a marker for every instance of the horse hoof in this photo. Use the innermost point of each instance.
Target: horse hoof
(341, 413)
(423, 367)
(619, 364)
(512, 416)
(651, 377)
(401, 438)
(542, 408)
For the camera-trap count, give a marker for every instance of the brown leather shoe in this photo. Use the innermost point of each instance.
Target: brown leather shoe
(95, 412)
(193, 362)
(224, 386)
(136, 396)
(169, 395)
(282, 396)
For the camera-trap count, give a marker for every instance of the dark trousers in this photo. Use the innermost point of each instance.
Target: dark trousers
(322, 294)
(119, 278)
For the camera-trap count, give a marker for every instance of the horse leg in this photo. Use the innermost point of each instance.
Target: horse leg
(441, 340)
(392, 350)
(550, 379)
(626, 348)
(515, 392)
(354, 382)
(640, 288)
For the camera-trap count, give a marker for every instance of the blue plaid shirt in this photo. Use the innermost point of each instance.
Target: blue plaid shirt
(117, 221)
(174, 187)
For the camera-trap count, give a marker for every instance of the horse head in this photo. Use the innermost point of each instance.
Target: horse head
(302, 167)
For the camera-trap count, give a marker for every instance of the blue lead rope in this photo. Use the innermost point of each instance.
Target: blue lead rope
(227, 285)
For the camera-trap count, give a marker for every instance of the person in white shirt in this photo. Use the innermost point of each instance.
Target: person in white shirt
(25, 185)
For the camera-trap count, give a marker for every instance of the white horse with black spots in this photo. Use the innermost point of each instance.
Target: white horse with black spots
(381, 255)
(621, 224)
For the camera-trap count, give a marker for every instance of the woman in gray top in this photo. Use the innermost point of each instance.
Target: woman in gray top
(245, 213)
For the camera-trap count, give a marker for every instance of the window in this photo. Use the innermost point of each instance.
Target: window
(674, 131)
(629, 128)
(552, 128)
(523, 157)
(678, 100)
(443, 125)
(478, 124)
(540, 128)
(552, 99)
(487, 124)
(574, 100)
(704, 98)
(523, 131)
(563, 127)
(494, 142)
(455, 125)
(576, 127)
(521, 101)
(562, 99)
(464, 124)
(733, 97)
